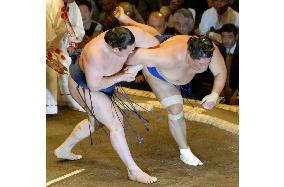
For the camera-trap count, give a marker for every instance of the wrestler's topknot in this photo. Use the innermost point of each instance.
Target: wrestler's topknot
(119, 37)
(200, 47)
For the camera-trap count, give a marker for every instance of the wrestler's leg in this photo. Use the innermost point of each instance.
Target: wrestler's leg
(110, 116)
(81, 130)
(171, 99)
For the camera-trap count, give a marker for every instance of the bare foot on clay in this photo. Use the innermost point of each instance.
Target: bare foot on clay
(65, 154)
(141, 176)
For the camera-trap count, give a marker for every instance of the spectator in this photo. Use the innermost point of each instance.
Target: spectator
(210, 3)
(165, 10)
(131, 11)
(183, 22)
(157, 20)
(230, 51)
(106, 18)
(61, 40)
(145, 7)
(234, 4)
(198, 5)
(92, 28)
(95, 9)
(133, 2)
(215, 17)
(170, 10)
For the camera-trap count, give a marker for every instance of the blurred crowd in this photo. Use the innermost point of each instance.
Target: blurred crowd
(72, 24)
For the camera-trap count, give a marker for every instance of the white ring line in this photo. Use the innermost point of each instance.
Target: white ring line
(64, 177)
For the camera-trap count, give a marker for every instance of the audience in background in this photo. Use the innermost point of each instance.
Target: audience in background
(215, 17)
(145, 7)
(95, 9)
(133, 2)
(131, 11)
(166, 12)
(92, 28)
(234, 4)
(157, 20)
(230, 51)
(183, 22)
(169, 10)
(106, 18)
(198, 5)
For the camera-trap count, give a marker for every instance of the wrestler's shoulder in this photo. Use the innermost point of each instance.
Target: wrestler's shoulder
(92, 53)
(181, 37)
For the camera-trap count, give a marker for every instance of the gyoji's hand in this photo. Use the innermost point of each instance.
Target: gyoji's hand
(133, 69)
(70, 50)
(209, 101)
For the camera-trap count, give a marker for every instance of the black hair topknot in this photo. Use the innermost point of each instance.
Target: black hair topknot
(200, 47)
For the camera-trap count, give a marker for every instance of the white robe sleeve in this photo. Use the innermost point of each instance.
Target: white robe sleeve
(75, 18)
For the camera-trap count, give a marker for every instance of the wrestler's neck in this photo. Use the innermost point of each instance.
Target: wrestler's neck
(113, 53)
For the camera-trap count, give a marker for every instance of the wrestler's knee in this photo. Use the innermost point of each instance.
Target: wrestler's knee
(83, 129)
(174, 109)
(174, 106)
(116, 127)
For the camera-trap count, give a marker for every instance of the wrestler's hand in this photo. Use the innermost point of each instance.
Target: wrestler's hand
(209, 101)
(124, 76)
(119, 14)
(133, 69)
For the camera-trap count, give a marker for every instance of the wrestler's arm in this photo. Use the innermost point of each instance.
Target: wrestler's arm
(96, 81)
(147, 57)
(127, 21)
(218, 68)
(143, 39)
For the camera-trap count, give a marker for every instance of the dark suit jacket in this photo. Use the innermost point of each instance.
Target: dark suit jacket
(234, 72)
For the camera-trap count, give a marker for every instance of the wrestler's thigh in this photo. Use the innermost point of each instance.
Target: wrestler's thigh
(97, 104)
(72, 85)
(161, 89)
(104, 110)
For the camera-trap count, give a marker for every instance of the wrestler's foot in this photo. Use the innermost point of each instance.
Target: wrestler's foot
(140, 176)
(119, 14)
(189, 158)
(66, 154)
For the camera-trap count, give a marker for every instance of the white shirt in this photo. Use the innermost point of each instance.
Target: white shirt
(232, 49)
(210, 19)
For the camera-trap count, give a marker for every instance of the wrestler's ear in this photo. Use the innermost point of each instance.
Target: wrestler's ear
(116, 50)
